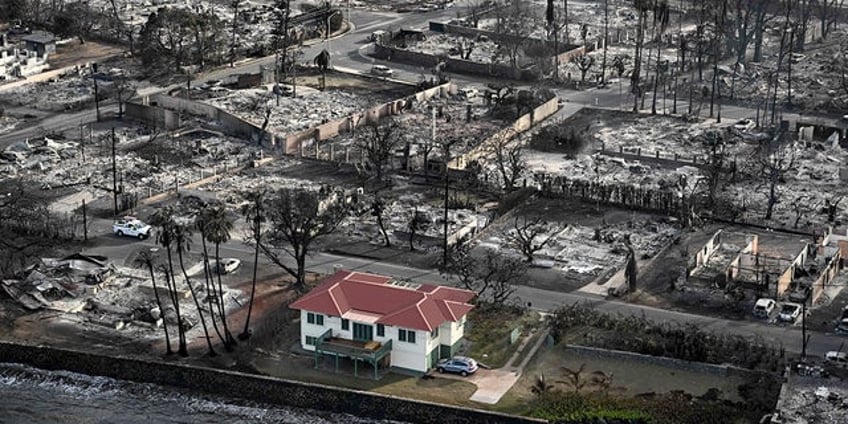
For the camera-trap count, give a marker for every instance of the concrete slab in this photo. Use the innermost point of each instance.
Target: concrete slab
(492, 385)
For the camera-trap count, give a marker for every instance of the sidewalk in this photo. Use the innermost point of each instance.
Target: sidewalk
(493, 385)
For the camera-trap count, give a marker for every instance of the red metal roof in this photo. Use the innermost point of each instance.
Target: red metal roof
(422, 307)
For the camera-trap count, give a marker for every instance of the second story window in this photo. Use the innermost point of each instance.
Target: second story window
(381, 330)
(406, 335)
(316, 319)
(434, 333)
(345, 324)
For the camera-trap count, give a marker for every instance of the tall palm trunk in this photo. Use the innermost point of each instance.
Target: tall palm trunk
(246, 333)
(168, 350)
(196, 304)
(210, 286)
(231, 341)
(183, 348)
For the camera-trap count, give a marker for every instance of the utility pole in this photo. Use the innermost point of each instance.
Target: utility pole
(84, 222)
(804, 338)
(447, 191)
(114, 175)
(96, 98)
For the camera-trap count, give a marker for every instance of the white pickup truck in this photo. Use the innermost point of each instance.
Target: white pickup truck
(132, 227)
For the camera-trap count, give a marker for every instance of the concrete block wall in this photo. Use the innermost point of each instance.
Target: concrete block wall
(252, 387)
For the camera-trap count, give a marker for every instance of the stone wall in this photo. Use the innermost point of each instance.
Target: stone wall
(701, 367)
(453, 65)
(152, 115)
(252, 387)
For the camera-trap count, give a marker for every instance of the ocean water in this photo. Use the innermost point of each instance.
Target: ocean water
(31, 395)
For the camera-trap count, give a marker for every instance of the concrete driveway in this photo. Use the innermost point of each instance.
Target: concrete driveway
(491, 384)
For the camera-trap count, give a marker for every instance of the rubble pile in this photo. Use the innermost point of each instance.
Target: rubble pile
(623, 53)
(816, 83)
(813, 400)
(579, 13)
(232, 190)
(7, 124)
(105, 294)
(311, 108)
(815, 181)
(416, 128)
(399, 213)
(69, 91)
(482, 51)
(144, 167)
(592, 251)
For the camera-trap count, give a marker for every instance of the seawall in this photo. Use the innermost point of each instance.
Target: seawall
(252, 387)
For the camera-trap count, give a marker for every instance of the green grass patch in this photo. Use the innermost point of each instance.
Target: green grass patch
(438, 390)
(489, 333)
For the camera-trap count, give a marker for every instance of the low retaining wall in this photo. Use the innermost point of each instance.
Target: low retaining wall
(251, 387)
(453, 65)
(719, 370)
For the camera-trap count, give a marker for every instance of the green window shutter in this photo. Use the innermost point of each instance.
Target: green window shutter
(345, 324)
(319, 319)
(410, 336)
(401, 334)
(310, 340)
(310, 318)
(381, 330)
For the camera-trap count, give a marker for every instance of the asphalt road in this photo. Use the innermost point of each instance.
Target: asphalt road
(346, 51)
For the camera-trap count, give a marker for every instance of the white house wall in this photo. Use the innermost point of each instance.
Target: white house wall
(404, 354)
(408, 355)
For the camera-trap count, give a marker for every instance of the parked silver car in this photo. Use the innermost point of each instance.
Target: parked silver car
(458, 365)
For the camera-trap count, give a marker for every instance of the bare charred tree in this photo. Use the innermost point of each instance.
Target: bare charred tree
(715, 170)
(28, 230)
(285, 45)
(378, 142)
(631, 270)
(124, 89)
(775, 160)
(803, 205)
(508, 159)
(715, 96)
(493, 277)
(296, 220)
(234, 5)
(803, 12)
(515, 23)
(378, 210)
(660, 23)
(584, 63)
(415, 225)
(528, 236)
(829, 13)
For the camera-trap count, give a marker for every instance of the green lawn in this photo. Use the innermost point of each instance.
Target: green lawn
(489, 332)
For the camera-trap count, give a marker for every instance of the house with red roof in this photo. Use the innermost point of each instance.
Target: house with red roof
(382, 321)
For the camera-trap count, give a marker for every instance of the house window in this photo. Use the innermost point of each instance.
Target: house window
(406, 335)
(311, 341)
(381, 330)
(345, 324)
(434, 333)
(316, 319)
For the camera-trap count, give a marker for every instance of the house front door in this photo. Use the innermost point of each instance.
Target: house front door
(362, 332)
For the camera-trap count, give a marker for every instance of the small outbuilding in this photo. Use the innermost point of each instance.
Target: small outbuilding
(40, 42)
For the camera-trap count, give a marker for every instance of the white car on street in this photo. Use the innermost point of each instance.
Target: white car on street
(131, 227)
(382, 70)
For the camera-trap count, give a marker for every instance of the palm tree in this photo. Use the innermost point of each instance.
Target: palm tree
(163, 218)
(146, 259)
(322, 61)
(202, 225)
(541, 387)
(218, 227)
(254, 213)
(603, 380)
(574, 377)
(182, 243)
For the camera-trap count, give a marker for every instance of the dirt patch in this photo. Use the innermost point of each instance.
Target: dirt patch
(74, 53)
(629, 377)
